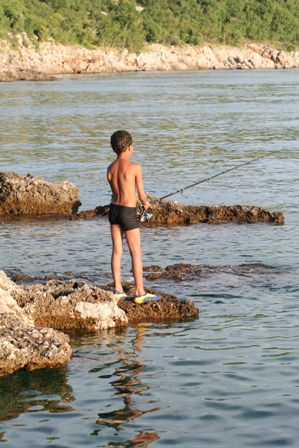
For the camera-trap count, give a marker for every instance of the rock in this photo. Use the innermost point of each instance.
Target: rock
(168, 308)
(29, 347)
(33, 316)
(22, 345)
(168, 212)
(72, 306)
(174, 213)
(50, 60)
(31, 195)
(8, 305)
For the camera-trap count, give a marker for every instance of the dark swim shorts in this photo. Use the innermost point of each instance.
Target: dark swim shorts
(123, 216)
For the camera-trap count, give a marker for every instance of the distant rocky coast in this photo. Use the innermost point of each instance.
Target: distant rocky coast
(47, 60)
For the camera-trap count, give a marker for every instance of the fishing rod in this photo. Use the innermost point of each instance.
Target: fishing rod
(147, 215)
(211, 177)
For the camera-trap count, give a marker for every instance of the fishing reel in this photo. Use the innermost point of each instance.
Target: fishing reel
(146, 216)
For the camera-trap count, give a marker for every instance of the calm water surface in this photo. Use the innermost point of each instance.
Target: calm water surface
(227, 379)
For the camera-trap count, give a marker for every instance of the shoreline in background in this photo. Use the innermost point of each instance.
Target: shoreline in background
(48, 60)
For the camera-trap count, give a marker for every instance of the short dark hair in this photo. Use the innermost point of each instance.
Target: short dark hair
(120, 141)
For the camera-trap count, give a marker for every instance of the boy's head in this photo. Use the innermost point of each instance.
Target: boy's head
(120, 141)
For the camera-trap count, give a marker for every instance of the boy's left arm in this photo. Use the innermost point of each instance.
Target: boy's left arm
(140, 188)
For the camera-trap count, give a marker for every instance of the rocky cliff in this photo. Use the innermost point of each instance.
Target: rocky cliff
(47, 60)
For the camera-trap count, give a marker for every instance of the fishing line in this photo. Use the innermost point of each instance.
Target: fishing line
(211, 177)
(147, 215)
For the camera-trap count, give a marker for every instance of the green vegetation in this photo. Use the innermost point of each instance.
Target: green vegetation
(131, 24)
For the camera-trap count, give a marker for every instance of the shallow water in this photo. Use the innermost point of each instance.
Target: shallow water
(226, 379)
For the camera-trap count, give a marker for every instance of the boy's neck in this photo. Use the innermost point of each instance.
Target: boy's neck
(126, 154)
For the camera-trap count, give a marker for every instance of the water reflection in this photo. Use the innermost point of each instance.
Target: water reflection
(25, 391)
(129, 384)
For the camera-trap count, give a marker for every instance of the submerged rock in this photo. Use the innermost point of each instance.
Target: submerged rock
(31, 195)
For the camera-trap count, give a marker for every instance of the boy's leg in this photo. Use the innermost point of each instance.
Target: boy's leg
(117, 251)
(133, 240)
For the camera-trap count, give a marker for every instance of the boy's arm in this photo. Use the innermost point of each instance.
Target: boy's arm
(140, 188)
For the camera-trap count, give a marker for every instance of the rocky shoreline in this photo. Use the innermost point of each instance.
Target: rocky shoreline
(47, 60)
(36, 319)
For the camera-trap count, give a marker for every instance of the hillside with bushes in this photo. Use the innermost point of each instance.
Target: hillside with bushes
(132, 24)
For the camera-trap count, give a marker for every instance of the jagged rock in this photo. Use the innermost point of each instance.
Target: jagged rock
(23, 195)
(174, 213)
(72, 307)
(29, 347)
(168, 308)
(31, 315)
(22, 345)
(8, 305)
(167, 212)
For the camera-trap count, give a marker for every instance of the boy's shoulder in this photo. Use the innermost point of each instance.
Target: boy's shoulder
(128, 164)
(132, 165)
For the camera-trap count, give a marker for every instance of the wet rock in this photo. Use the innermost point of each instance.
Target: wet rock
(168, 212)
(31, 195)
(25, 75)
(168, 308)
(180, 272)
(88, 214)
(247, 272)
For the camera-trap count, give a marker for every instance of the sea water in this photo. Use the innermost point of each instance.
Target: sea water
(226, 379)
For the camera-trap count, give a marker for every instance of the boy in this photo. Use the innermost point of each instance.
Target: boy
(125, 178)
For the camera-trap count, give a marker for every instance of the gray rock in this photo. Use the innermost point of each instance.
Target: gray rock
(29, 347)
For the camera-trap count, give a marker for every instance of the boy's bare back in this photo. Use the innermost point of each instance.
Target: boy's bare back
(125, 178)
